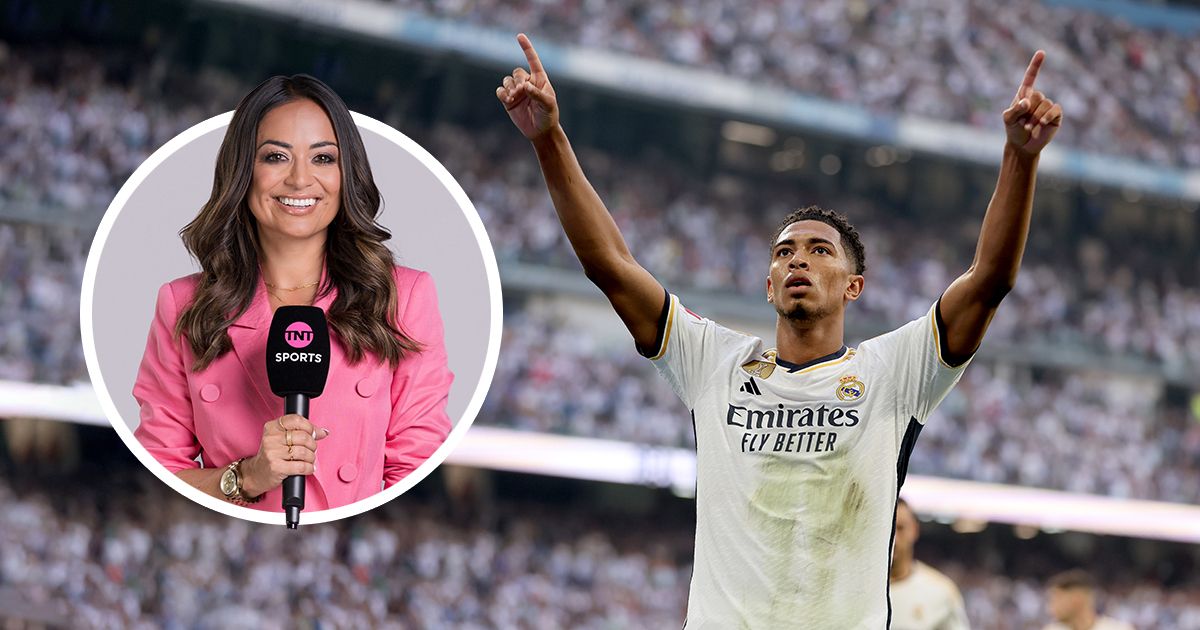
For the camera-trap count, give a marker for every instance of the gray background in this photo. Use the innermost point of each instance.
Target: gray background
(143, 251)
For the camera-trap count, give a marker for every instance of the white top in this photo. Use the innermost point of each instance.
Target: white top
(927, 600)
(1102, 623)
(798, 470)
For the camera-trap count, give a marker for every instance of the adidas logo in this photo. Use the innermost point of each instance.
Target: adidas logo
(750, 387)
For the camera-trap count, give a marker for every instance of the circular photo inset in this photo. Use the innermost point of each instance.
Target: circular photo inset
(291, 311)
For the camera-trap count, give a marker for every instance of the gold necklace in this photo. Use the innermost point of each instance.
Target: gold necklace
(303, 286)
(279, 298)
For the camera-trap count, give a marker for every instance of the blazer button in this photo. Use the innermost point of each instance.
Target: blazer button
(347, 472)
(365, 387)
(210, 393)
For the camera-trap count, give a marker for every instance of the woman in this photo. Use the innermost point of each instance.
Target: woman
(291, 220)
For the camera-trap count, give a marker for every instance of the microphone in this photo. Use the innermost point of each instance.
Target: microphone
(297, 366)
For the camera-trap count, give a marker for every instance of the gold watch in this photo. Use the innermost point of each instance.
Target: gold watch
(231, 484)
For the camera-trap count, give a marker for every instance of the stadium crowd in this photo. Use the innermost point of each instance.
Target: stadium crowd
(41, 270)
(73, 134)
(1100, 294)
(1127, 90)
(148, 558)
(78, 137)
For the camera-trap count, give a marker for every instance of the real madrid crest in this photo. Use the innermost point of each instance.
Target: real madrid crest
(850, 388)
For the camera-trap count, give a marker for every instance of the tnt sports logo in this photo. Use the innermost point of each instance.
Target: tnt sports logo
(850, 388)
(299, 335)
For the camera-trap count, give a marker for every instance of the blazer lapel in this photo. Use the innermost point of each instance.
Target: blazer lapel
(249, 336)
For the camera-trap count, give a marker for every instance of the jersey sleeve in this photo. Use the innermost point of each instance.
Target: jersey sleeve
(912, 354)
(688, 349)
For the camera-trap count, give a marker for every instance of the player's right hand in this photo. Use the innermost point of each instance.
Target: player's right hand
(528, 96)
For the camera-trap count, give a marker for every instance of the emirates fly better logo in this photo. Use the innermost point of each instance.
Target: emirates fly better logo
(298, 335)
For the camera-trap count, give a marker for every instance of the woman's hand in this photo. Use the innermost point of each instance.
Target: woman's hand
(288, 447)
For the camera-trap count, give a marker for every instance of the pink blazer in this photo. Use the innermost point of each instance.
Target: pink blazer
(383, 423)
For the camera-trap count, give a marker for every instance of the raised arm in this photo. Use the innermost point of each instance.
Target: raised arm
(636, 296)
(969, 303)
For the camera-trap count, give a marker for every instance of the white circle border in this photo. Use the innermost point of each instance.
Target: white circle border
(87, 295)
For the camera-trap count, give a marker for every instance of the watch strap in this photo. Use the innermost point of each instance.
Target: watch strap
(238, 496)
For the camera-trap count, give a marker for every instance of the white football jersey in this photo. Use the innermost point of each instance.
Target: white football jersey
(927, 600)
(798, 468)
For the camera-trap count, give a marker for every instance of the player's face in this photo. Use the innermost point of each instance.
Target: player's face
(296, 187)
(906, 530)
(1065, 604)
(811, 274)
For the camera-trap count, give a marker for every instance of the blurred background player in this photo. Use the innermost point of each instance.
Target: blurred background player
(922, 597)
(1071, 599)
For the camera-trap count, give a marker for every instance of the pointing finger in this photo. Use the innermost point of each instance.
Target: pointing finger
(1031, 73)
(535, 64)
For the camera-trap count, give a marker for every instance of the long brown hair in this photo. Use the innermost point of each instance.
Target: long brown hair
(224, 238)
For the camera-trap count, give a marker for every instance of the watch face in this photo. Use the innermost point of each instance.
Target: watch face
(228, 482)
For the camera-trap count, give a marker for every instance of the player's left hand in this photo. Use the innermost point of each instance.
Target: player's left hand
(1032, 119)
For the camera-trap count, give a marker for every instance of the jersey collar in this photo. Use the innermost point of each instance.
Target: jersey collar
(795, 367)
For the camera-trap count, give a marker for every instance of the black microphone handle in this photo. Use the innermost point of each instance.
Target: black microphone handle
(293, 485)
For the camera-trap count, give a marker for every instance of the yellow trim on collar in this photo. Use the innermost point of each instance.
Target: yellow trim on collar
(845, 357)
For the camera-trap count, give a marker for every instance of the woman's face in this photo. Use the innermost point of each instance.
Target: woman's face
(295, 190)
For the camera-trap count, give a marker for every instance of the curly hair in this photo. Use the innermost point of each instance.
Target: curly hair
(850, 239)
(224, 238)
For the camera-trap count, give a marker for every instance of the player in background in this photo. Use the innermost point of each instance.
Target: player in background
(922, 598)
(1071, 599)
(803, 444)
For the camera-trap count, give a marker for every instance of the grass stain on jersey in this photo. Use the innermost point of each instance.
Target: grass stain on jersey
(773, 515)
(804, 513)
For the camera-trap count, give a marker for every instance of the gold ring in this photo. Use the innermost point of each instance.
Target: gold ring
(287, 436)
(280, 421)
(289, 457)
